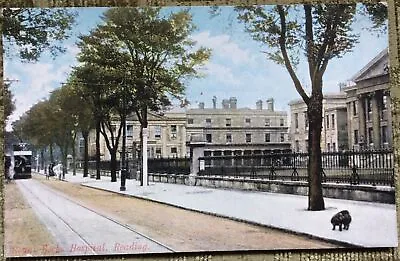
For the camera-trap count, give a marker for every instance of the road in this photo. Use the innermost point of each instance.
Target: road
(79, 230)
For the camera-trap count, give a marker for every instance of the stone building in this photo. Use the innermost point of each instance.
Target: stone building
(334, 128)
(368, 106)
(229, 130)
(166, 136)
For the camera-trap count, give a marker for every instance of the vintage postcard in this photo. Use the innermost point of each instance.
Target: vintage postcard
(190, 129)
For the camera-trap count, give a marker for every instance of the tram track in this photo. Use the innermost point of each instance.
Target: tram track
(77, 233)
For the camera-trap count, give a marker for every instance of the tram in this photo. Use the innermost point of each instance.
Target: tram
(22, 158)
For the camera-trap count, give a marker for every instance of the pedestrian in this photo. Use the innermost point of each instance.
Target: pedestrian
(58, 169)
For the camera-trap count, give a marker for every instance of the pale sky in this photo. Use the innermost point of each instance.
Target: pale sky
(237, 67)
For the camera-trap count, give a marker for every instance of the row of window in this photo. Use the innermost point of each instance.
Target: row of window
(382, 103)
(248, 137)
(360, 139)
(247, 121)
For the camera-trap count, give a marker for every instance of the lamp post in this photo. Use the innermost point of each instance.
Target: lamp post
(123, 160)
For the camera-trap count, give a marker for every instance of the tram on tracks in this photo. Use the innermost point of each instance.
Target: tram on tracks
(21, 160)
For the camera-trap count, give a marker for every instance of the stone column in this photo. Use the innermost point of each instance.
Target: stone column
(350, 127)
(376, 126)
(197, 146)
(164, 141)
(389, 118)
(362, 139)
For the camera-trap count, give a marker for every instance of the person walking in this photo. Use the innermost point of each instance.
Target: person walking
(58, 169)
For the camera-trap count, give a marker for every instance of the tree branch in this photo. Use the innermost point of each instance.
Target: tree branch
(282, 44)
(309, 40)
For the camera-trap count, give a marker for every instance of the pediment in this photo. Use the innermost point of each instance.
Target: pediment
(376, 67)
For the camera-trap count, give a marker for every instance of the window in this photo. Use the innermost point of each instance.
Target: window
(354, 108)
(296, 120)
(305, 121)
(333, 121)
(282, 137)
(208, 138)
(384, 102)
(228, 138)
(228, 122)
(327, 122)
(208, 122)
(281, 122)
(329, 146)
(190, 121)
(129, 131)
(158, 152)
(297, 146)
(81, 143)
(355, 136)
(173, 128)
(173, 131)
(267, 137)
(248, 137)
(247, 121)
(369, 108)
(384, 134)
(370, 136)
(174, 150)
(333, 146)
(267, 122)
(157, 132)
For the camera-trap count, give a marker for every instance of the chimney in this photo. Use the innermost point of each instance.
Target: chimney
(259, 105)
(225, 104)
(270, 104)
(233, 102)
(214, 99)
(201, 105)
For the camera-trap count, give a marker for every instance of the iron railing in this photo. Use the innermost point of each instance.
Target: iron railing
(169, 165)
(155, 165)
(352, 167)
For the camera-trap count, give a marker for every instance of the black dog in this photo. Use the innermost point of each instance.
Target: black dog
(340, 219)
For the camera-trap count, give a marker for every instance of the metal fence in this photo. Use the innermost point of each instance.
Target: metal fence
(352, 167)
(169, 165)
(155, 165)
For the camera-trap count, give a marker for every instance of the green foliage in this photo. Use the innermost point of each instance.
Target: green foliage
(7, 101)
(33, 30)
(161, 53)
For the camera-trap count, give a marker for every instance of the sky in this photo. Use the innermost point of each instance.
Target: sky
(237, 68)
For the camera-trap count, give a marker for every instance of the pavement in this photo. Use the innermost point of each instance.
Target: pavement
(373, 224)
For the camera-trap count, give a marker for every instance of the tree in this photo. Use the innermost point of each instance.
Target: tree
(102, 76)
(33, 30)
(35, 126)
(7, 101)
(82, 109)
(161, 56)
(320, 32)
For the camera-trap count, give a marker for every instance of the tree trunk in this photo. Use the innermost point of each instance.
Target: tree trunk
(74, 155)
(51, 154)
(314, 112)
(98, 149)
(113, 165)
(42, 159)
(85, 135)
(141, 154)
